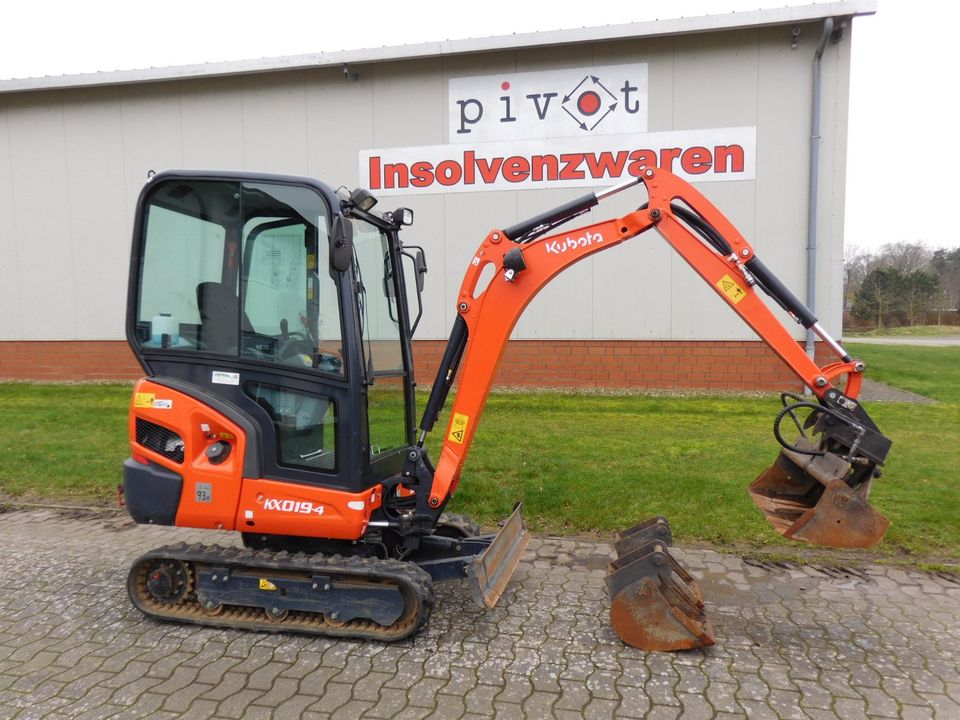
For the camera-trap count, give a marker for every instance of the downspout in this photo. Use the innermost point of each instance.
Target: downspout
(814, 183)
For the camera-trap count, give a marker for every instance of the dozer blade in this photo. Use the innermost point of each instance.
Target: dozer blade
(655, 604)
(489, 572)
(805, 497)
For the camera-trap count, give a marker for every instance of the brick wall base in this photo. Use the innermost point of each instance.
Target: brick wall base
(72, 360)
(640, 364)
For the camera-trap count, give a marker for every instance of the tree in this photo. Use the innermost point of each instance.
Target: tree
(919, 292)
(946, 264)
(905, 256)
(879, 295)
(856, 264)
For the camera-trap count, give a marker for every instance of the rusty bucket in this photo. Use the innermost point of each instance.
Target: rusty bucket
(811, 497)
(655, 604)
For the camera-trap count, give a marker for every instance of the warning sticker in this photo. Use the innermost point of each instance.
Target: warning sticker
(458, 428)
(266, 584)
(144, 400)
(729, 287)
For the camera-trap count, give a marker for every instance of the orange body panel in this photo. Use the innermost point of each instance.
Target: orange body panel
(219, 497)
(274, 507)
(199, 426)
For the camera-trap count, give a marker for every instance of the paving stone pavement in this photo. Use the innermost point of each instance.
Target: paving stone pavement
(793, 642)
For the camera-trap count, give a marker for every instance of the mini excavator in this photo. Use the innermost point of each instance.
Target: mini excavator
(273, 318)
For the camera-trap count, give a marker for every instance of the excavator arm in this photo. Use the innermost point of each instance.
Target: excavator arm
(816, 490)
(705, 239)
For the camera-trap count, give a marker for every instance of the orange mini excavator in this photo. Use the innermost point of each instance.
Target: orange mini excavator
(273, 317)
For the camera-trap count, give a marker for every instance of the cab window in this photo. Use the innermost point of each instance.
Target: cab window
(239, 269)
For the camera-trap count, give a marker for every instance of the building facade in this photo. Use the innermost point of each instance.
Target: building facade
(471, 135)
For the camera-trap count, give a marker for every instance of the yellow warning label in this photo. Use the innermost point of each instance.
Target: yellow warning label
(458, 428)
(144, 399)
(266, 584)
(731, 289)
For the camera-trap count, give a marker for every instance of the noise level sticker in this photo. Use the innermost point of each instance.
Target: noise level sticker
(729, 287)
(144, 400)
(458, 428)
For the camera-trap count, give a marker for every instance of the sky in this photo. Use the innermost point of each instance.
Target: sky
(903, 99)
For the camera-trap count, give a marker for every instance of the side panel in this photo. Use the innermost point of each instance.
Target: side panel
(279, 508)
(174, 430)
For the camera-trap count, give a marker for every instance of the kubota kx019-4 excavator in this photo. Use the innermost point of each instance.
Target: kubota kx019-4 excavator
(271, 316)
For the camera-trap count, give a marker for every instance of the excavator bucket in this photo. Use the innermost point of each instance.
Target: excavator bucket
(656, 528)
(806, 497)
(655, 604)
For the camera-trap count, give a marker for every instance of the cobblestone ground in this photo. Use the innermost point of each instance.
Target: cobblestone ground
(793, 642)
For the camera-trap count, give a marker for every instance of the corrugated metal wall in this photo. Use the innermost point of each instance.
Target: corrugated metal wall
(72, 163)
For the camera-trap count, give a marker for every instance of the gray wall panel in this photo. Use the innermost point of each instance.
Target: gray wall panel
(92, 149)
(151, 136)
(45, 260)
(408, 105)
(211, 120)
(339, 122)
(11, 326)
(99, 235)
(274, 111)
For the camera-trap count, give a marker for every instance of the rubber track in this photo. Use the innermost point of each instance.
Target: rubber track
(415, 585)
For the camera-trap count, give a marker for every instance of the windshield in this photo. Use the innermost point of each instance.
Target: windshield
(239, 269)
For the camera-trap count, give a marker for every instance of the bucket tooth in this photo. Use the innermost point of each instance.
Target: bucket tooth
(656, 528)
(655, 604)
(806, 497)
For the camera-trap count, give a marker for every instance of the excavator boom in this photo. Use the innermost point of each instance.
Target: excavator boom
(816, 491)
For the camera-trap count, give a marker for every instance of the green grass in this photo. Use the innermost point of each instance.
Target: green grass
(587, 463)
(582, 463)
(906, 331)
(930, 371)
(63, 441)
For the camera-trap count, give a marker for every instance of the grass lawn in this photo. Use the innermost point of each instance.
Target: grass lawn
(582, 463)
(930, 371)
(906, 331)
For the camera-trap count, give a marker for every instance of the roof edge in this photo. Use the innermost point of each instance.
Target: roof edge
(651, 28)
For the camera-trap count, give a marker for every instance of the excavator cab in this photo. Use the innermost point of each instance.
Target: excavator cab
(262, 296)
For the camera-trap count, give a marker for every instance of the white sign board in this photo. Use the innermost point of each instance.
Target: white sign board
(697, 155)
(580, 102)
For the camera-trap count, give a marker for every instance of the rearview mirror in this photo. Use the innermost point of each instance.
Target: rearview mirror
(419, 261)
(420, 268)
(341, 244)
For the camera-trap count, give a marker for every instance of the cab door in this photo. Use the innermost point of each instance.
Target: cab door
(233, 301)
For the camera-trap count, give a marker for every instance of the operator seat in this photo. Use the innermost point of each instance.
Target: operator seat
(219, 309)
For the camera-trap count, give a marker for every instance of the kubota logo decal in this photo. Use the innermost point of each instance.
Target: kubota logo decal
(304, 507)
(558, 247)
